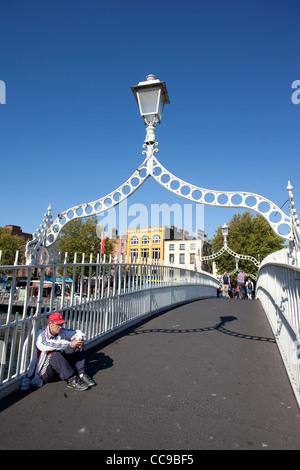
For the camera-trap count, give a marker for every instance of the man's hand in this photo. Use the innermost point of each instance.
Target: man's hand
(76, 343)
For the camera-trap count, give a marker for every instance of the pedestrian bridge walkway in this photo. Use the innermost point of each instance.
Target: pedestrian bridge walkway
(205, 375)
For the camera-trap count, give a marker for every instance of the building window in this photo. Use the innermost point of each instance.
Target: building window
(181, 246)
(155, 253)
(156, 239)
(193, 246)
(192, 258)
(134, 253)
(172, 247)
(171, 258)
(181, 258)
(145, 253)
(134, 241)
(145, 240)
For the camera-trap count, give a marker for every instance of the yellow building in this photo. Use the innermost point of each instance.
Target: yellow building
(146, 243)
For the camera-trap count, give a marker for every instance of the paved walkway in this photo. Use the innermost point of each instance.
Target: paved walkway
(207, 375)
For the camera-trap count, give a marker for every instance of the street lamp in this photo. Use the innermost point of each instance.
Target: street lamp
(237, 258)
(151, 96)
(225, 230)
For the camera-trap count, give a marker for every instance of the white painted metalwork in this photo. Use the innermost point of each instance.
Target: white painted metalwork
(47, 235)
(209, 197)
(109, 298)
(237, 256)
(278, 289)
(232, 253)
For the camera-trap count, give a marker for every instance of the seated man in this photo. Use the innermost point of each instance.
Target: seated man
(60, 354)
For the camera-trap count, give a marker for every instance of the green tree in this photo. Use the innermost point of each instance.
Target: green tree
(248, 235)
(80, 236)
(9, 244)
(109, 246)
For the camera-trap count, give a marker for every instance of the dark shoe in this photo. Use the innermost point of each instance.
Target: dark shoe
(87, 380)
(77, 384)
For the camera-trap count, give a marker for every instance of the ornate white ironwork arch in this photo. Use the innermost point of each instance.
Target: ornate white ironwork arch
(237, 257)
(232, 253)
(45, 240)
(246, 200)
(48, 233)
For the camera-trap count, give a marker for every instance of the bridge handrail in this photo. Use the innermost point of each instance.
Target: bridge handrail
(117, 294)
(278, 289)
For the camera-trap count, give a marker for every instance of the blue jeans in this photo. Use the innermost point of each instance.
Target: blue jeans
(242, 291)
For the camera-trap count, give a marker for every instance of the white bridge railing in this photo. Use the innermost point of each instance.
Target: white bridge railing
(98, 298)
(278, 289)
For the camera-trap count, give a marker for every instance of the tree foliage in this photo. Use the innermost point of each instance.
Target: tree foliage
(109, 246)
(248, 235)
(80, 236)
(9, 244)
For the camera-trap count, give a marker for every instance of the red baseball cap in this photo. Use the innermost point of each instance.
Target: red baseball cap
(57, 317)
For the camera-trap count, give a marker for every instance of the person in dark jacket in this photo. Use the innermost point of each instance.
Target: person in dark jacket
(225, 280)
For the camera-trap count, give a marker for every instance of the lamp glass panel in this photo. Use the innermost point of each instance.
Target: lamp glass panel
(160, 106)
(225, 231)
(148, 101)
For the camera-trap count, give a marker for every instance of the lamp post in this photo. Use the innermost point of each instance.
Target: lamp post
(225, 231)
(237, 256)
(151, 96)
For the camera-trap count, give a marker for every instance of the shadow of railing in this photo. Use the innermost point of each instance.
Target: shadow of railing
(219, 327)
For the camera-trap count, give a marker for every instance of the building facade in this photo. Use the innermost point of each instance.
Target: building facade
(16, 230)
(187, 254)
(146, 243)
(120, 248)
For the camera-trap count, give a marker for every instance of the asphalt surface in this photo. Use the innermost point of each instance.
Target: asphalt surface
(204, 376)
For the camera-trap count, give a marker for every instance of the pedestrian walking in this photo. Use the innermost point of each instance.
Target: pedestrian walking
(241, 283)
(249, 288)
(225, 281)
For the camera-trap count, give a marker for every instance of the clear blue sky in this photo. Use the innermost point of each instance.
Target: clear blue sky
(70, 131)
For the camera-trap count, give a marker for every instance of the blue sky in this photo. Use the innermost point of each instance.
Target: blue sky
(70, 131)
